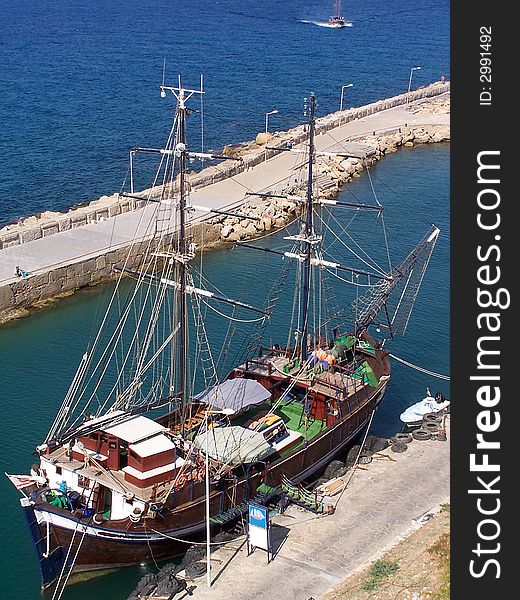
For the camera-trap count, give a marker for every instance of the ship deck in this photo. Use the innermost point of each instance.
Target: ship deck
(335, 384)
(114, 480)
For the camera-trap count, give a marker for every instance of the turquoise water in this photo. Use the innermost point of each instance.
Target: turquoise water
(40, 353)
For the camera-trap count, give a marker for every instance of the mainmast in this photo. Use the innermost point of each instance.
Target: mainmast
(309, 237)
(181, 149)
(182, 257)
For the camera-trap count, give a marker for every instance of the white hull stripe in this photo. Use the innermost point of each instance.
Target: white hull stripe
(44, 516)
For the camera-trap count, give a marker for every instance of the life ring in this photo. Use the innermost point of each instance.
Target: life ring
(98, 518)
(181, 480)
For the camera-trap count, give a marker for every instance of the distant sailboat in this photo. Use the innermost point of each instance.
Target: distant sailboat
(336, 21)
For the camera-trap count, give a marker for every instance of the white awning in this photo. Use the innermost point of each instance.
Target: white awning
(236, 394)
(134, 429)
(234, 445)
(154, 445)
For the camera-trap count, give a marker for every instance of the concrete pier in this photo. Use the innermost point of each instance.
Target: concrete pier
(64, 252)
(382, 504)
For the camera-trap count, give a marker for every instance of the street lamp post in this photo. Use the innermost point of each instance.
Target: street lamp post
(342, 90)
(224, 411)
(272, 112)
(410, 82)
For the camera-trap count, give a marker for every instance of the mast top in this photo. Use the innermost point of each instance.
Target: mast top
(182, 94)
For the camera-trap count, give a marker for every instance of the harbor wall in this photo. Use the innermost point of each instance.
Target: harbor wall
(49, 223)
(22, 296)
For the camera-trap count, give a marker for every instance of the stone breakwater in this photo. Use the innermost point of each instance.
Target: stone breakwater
(20, 296)
(252, 153)
(332, 173)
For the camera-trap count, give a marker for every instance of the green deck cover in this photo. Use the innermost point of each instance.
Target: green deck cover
(291, 413)
(365, 373)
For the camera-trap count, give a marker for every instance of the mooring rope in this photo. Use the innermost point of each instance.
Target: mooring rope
(421, 369)
(358, 456)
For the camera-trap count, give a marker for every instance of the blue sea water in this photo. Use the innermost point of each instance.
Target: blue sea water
(80, 78)
(80, 88)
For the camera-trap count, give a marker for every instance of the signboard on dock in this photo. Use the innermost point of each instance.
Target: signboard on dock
(259, 528)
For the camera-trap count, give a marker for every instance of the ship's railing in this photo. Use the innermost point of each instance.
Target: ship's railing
(297, 494)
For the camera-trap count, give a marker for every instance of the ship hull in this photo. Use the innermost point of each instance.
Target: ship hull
(123, 543)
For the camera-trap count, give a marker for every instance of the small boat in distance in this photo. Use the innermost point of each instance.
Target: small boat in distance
(337, 21)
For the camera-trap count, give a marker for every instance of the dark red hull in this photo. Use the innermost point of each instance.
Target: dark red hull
(121, 543)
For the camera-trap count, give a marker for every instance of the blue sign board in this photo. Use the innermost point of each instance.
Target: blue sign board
(258, 516)
(258, 530)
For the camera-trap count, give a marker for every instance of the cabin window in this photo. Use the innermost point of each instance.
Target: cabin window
(58, 471)
(94, 436)
(112, 445)
(103, 438)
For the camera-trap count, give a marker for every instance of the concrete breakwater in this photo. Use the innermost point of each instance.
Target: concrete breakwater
(369, 132)
(332, 173)
(49, 223)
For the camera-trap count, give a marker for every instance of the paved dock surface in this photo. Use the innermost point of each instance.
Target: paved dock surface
(382, 503)
(69, 247)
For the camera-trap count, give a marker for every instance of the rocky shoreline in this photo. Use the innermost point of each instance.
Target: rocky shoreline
(333, 172)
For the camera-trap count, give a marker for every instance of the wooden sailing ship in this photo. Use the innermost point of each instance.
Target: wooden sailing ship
(124, 473)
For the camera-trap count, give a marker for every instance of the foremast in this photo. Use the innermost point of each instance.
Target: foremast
(309, 238)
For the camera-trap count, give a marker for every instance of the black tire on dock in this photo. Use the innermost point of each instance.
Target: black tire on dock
(352, 455)
(431, 426)
(195, 569)
(421, 434)
(402, 438)
(168, 586)
(435, 417)
(398, 447)
(193, 554)
(375, 444)
(379, 444)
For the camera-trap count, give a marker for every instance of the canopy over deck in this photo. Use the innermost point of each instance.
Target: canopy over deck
(234, 445)
(236, 394)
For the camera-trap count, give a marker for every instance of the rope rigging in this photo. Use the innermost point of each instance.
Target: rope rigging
(420, 369)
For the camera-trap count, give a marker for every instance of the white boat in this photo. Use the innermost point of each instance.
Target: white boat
(336, 21)
(414, 414)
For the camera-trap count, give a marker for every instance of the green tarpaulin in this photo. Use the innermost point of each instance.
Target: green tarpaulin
(365, 373)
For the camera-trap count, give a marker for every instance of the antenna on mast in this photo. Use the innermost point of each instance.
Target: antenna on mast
(163, 93)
